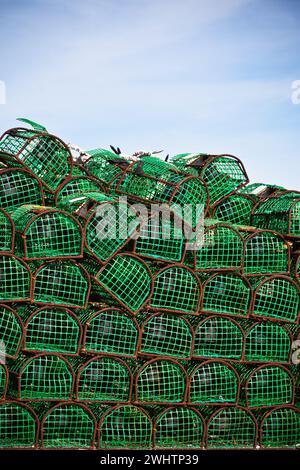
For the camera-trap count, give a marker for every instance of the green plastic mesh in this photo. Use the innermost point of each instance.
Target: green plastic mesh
(265, 252)
(260, 190)
(126, 427)
(128, 279)
(7, 234)
(235, 209)
(19, 187)
(77, 185)
(43, 232)
(3, 380)
(218, 337)
(161, 381)
(213, 382)
(11, 332)
(267, 342)
(176, 288)
(18, 426)
(104, 164)
(80, 204)
(178, 427)
(281, 428)
(15, 279)
(68, 425)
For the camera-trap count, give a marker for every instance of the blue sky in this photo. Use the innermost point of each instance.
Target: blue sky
(179, 75)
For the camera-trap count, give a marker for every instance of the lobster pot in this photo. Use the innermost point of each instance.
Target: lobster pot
(161, 381)
(266, 252)
(179, 428)
(3, 380)
(267, 342)
(111, 331)
(128, 279)
(76, 185)
(104, 379)
(68, 425)
(43, 233)
(231, 427)
(222, 248)
(213, 381)
(125, 427)
(11, 332)
(45, 155)
(15, 279)
(176, 289)
(63, 283)
(104, 165)
(7, 232)
(41, 377)
(18, 187)
(81, 204)
(165, 334)
(18, 426)
(235, 209)
(280, 428)
(228, 294)
(259, 191)
(217, 337)
(277, 298)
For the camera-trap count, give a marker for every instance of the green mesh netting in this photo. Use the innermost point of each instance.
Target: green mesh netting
(7, 232)
(18, 426)
(11, 332)
(265, 252)
(15, 278)
(281, 428)
(267, 342)
(3, 380)
(125, 427)
(77, 185)
(104, 164)
(80, 204)
(19, 187)
(260, 190)
(235, 209)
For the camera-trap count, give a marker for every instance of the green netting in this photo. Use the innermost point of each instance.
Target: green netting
(266, 252)
(128, 279)
(260, 190)
(104, 164)
(176, 288)
(68, 425)
(177, 428)
(281, 428)
(80, 204)
(213, 382)
(42, 232)
(227, 294)
(7, 232)
(267, 342)
(222, 248)
(11, 332)
(231, 427)
(3, 380)
(15, 278)
(18, 426)
(125, 427)
(235, 209)
(218, 337)
(104, 379)
(19, 187)
(166, 335)
(77, 185)
(61, 283)
(276, 297)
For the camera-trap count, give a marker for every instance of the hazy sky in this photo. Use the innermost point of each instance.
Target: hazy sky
(179, 75)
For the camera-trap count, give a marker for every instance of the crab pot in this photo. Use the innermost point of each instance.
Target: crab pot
(76, 185)
(19, 426)
(105, 165)
(63, 283)
(266, 253)
(11, 332)
(18, 187)
(68, 425)
(45, 155)
(41, 377)
(7, 232)
(43, 233)
(218, 337)
(268, 342)
(125, 427)
(3, 381)
(161, 381)
(16, 279)
(235, 209)
(166, 334)
(222, 248)
(176, 288)
(259, 191)
(106, 379)
(276, 297)
(128, 279)
(213, 382)
(231, 427)
(111, 331)
(228, 294)
(280, 428)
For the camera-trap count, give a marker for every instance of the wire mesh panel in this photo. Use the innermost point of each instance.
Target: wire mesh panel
(17, 187)
(104, 164)
(11, 333)
(179, 427)
(3, 380)
(235, 209)
(176, 288)
(231, 427)
(68, 425)
(77, 185)
(280, 428)
(267, 342)
(62, 283)
(161, 381)
(213, 382)
(7, 232)
(276, 297)
(125, 427)
(18, 426)
(218, 337)
(15, 279)
(47, 233)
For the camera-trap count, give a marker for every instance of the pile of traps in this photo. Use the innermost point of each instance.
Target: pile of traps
(144, 303)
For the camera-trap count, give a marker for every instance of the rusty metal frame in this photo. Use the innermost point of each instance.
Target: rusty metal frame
(70, 178)
(37, 424)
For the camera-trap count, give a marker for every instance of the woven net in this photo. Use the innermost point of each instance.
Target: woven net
(18, 426)
(15, 279)
(19, 187)
(267, 342)
(281, 428)
(11, 332)
(77, 185)
(105, 165)
(266, 252)
(260, 191)
(7, 232)
(235, 209)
